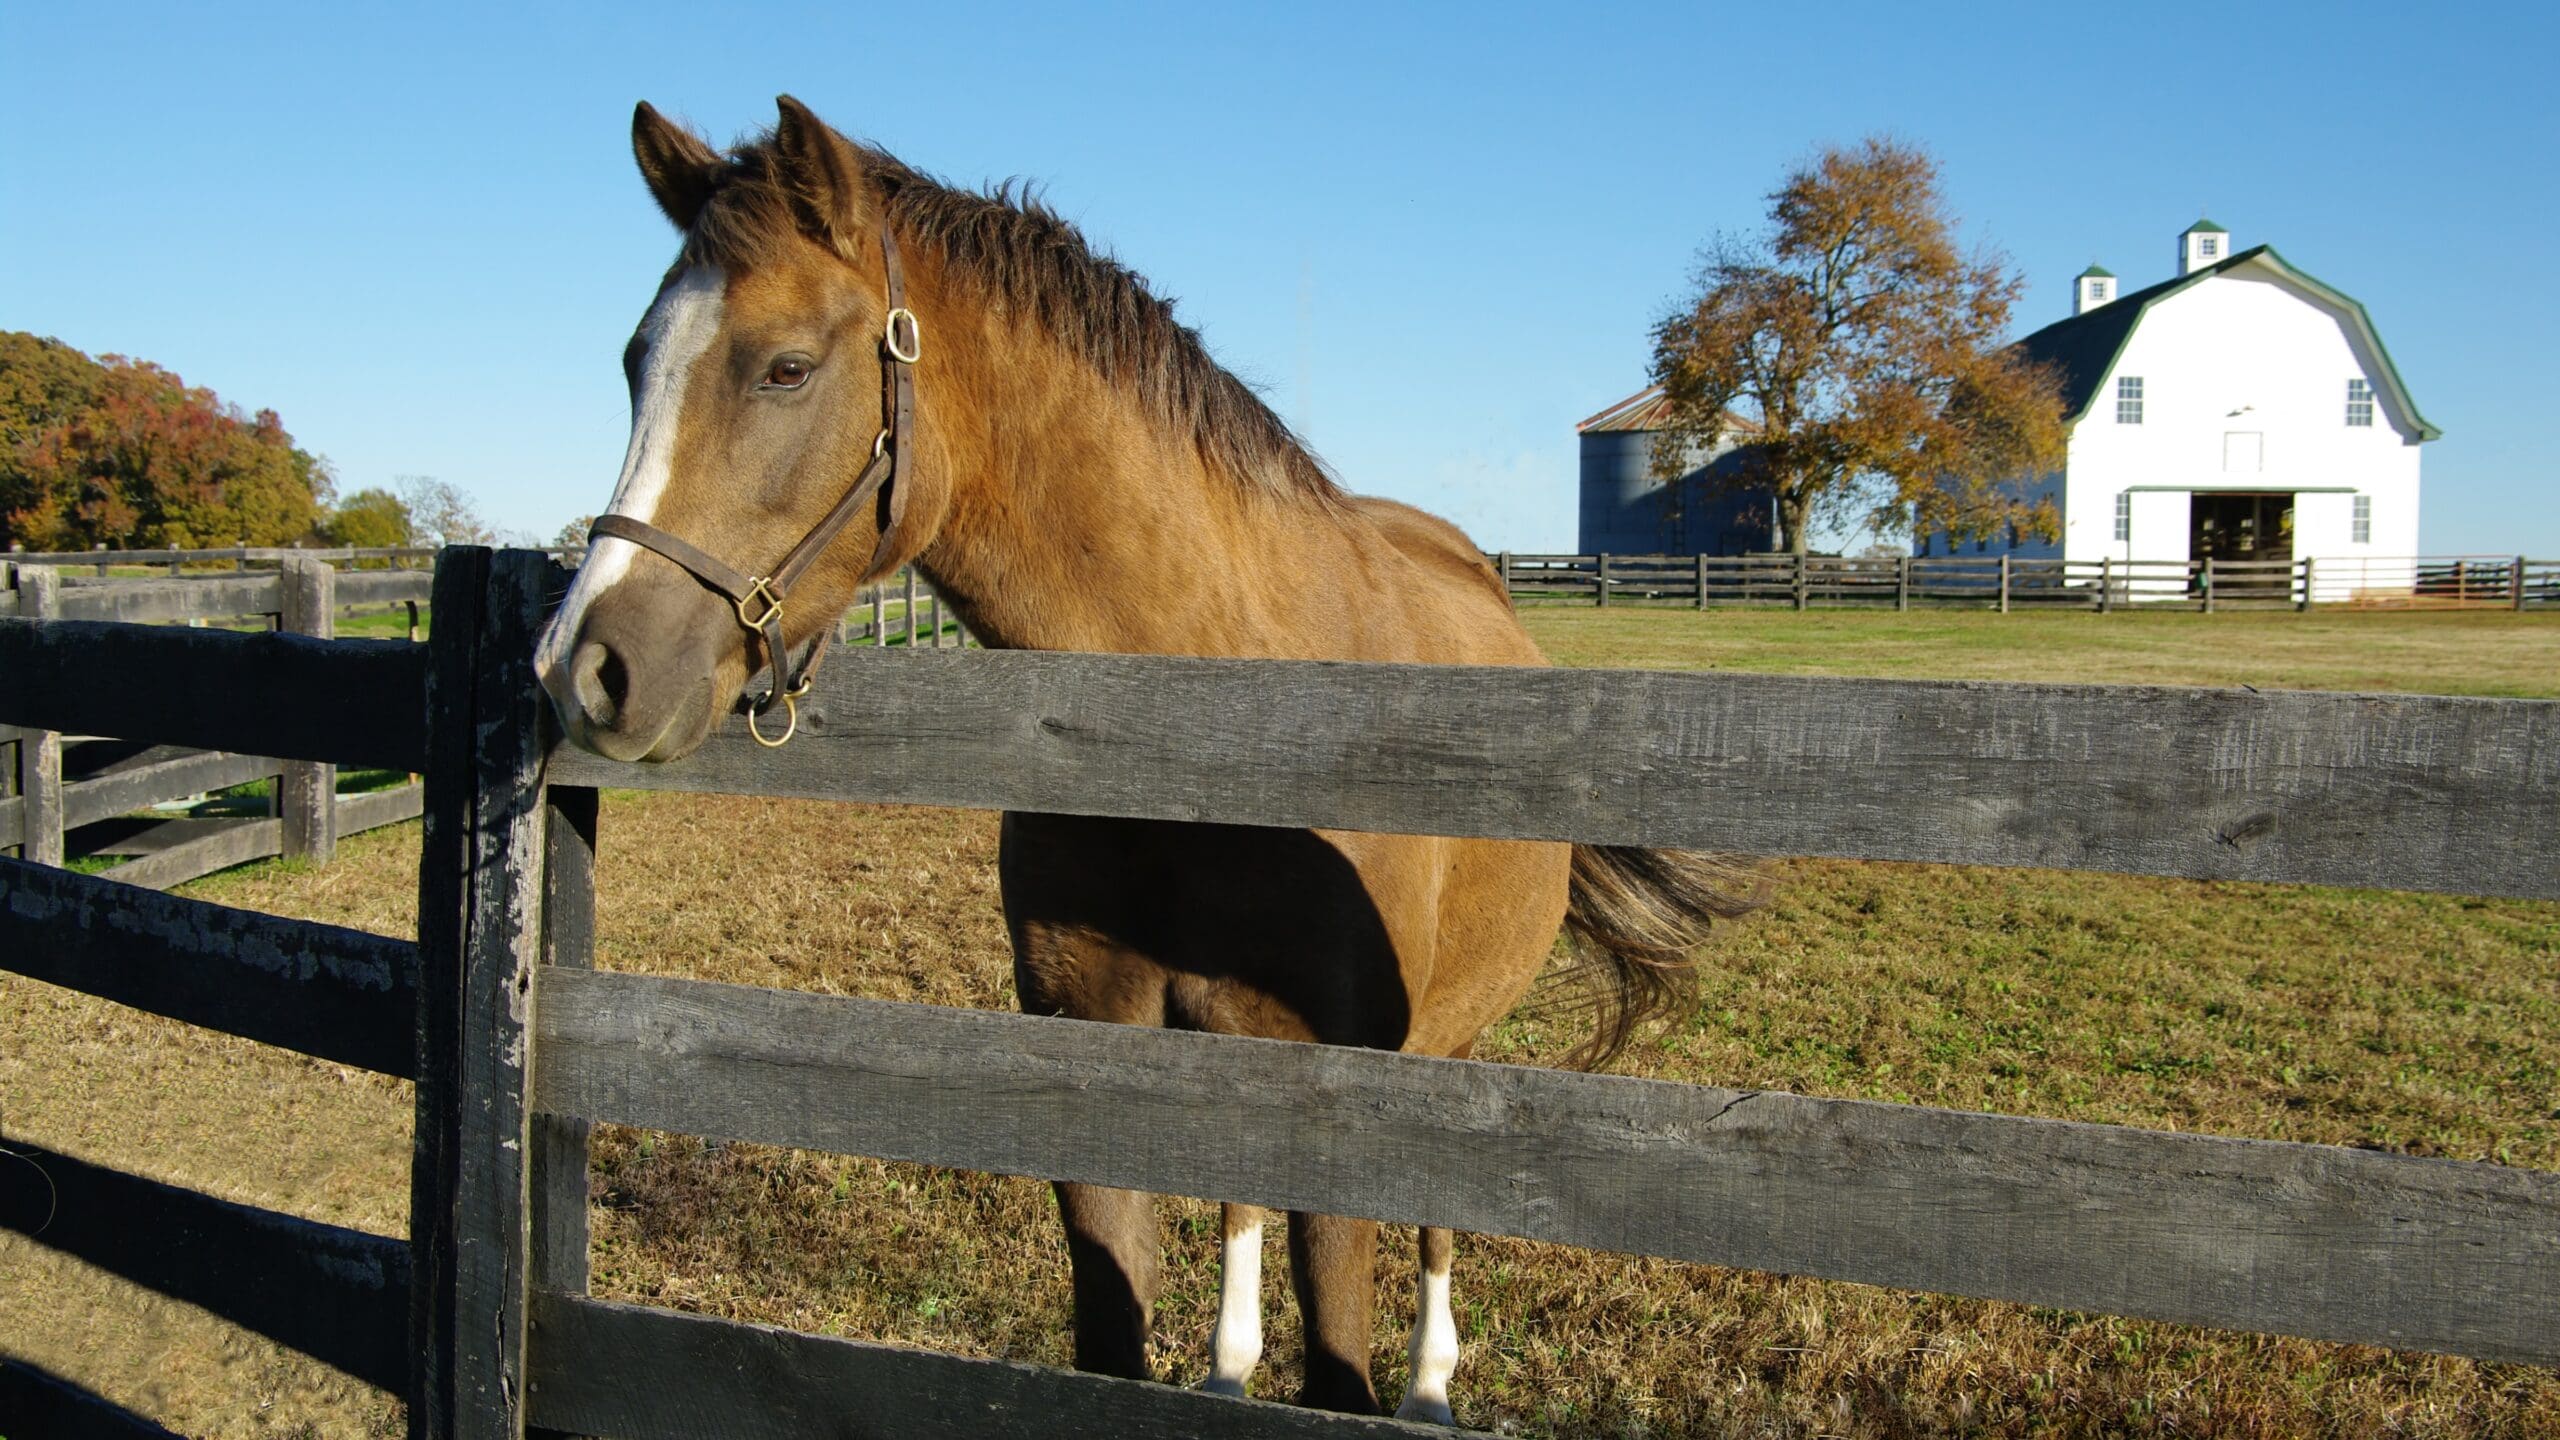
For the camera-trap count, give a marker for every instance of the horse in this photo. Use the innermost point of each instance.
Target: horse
(854, 366)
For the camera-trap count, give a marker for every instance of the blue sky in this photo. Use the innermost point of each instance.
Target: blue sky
(1435, 236)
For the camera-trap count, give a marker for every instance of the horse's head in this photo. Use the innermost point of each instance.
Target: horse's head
(761, 391)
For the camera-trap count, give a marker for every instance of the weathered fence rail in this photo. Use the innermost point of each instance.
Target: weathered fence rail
(52, 793)
(2006, 582)
(518, 1046)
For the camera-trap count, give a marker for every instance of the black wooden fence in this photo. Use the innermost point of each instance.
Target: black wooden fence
(2006, 582)
(47, 792)
(516, 1045)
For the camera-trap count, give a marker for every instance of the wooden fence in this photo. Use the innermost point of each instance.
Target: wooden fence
(52, 784)
(517, 1045)
(2004, 582)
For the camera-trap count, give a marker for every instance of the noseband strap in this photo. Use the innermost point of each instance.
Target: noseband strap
(758, 599)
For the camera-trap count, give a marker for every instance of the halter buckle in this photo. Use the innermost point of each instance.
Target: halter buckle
(913, 350)
(759, 591)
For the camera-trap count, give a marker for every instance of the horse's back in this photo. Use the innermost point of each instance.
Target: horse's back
(1452, 604)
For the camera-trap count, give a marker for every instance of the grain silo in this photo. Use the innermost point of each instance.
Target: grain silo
(1628, 510)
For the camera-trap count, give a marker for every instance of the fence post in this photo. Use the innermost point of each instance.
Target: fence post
(1502, 562)
(1702, 580)
(2106, 583)
(1798, 563)
(2004, 583)
(2515, 586)
(879, 614)
(480, 934)
(2208, 584)
(557, 1183)
(1902, 583)
(2304, 605)
(307, 793)
(1600, 582)
(40, 752)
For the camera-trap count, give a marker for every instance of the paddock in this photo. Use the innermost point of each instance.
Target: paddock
(950, 730)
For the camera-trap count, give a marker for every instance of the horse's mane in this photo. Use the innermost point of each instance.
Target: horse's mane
(1024, 254)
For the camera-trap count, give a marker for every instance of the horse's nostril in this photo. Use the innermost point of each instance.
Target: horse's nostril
(603, 687)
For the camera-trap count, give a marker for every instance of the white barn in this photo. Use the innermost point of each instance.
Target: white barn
(2241, 410)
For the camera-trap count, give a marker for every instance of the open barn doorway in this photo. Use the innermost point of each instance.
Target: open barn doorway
(2241, 527)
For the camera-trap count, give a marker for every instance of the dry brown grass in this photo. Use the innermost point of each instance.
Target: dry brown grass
(2427, 1024)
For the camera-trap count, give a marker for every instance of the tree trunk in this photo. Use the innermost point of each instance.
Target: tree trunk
(1792, 514)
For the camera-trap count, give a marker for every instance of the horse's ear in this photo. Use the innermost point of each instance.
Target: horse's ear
(823, 168)
(679, 166)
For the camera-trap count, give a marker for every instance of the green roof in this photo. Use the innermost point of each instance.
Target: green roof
(2097, 270)
(2084, 348)
(2205, 225)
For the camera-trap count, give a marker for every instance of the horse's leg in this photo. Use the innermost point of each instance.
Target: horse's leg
(1113, 1244)
(1235, 1347)
(1434, 1354)
(1333, 1262)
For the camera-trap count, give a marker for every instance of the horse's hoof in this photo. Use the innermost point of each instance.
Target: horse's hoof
(1217, 1385)
(1426, 1410)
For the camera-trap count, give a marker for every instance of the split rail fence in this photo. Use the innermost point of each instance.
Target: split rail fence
(2004, 582)
(482, 1317)
(53, 784)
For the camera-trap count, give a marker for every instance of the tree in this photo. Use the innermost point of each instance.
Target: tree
(122, 452)
(370, 519)
(441, 513)
(1867, 352)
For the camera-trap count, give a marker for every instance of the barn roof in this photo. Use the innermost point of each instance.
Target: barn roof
(2084, 348)
(1650, 409)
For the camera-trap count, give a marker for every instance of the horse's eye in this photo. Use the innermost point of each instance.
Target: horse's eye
(788, 373)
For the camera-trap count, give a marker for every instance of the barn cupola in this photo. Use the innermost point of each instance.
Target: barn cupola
(2094, 287)
(2204, 243)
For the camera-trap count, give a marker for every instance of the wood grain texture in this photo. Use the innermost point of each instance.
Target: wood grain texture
(639, 1373)
(307, 793)
(339, 994)
(2402, 791)
(2309, 1240)
(337, 1295)
(39, 786)
(158, 602)
(350, 702)
(559, 1182)
(36, 1402)
(479, 934)
(384, 587)
(218, 849)
(87, 801)
(376, 808)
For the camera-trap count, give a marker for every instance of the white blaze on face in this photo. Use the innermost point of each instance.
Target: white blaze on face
(1434, 1354)
(679, 327)
(1236, 1346)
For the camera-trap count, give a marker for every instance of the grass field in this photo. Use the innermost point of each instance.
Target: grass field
(2423, 1024)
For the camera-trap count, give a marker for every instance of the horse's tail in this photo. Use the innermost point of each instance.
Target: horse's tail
(1639, 917)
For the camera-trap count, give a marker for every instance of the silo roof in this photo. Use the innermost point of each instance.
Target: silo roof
(1650, 409)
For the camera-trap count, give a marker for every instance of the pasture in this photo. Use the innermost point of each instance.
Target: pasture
(2417, 1023)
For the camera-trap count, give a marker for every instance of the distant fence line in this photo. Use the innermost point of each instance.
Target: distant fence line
(2006, 582)
(52, 784)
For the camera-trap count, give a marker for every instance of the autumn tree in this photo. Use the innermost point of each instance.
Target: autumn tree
(1865, 353)
(371, 518)
(123, 453)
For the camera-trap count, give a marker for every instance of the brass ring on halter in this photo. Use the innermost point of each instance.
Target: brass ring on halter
(791, 723)
(914, 348)
(773, 605)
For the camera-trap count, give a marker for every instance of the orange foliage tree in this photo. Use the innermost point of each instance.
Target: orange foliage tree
(123, 453)
(1868, 352)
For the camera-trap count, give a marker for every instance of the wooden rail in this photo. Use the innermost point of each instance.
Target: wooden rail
(2400, 791)
(2004, 582)
(2247, 1234)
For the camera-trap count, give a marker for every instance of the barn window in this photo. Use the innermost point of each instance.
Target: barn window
(2364, 520)
(2208, 246)
(2124, 515)
(2359, 404)
(2129, 400)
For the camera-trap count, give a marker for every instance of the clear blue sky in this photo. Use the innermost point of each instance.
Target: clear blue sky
(1435, 237)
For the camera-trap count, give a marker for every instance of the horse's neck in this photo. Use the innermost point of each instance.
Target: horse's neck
(1076, 522)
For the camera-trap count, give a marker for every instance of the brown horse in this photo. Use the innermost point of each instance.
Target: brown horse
(862, 367)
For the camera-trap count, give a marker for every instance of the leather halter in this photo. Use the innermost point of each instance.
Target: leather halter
(758, 598)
